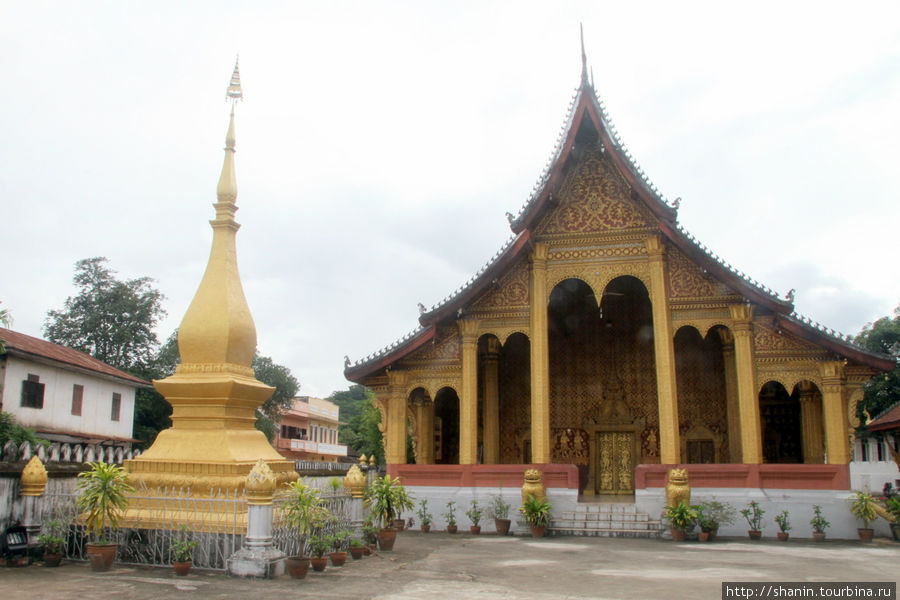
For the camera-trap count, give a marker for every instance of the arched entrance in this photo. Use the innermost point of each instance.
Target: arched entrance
(603, 408)
(779, 413)
(514, 374)
(446, 427)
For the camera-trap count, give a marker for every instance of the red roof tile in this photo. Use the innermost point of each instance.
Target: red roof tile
(888, 420)
(19, 344)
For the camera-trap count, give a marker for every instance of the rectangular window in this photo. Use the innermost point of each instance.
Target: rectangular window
(32, 392)
(77, 397)
(116, 406)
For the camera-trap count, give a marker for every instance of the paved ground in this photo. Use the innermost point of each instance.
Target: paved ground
(438, 566)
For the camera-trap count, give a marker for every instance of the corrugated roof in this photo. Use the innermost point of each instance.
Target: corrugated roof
(25, 346)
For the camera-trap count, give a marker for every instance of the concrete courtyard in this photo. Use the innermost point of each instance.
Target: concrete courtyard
(438, 566)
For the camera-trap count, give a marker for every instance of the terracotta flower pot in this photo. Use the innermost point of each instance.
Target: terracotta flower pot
(895, 531)
(357, 552)
(318, 563)
(476, 529)
(426, 528)
(451, 528)
(783, 536)
(399, 524)
(297, 566)
(386, 539)
(52, 560)
(818, 537)
(370, 549)
(865, 534)
(502, 526)
(703, 536)
(754, 534)
(338, 558)
(537, 531)
(101, 556)
(678, 535)
(182, 568)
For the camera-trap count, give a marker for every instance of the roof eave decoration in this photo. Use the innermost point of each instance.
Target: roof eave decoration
(841, 345)
(383, 358)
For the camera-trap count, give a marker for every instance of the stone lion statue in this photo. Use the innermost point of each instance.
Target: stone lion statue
(534, 485)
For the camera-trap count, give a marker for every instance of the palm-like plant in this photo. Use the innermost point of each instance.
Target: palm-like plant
(102, 495)
(387, 498)
(536, 512)
(863, 507)
(303, 507)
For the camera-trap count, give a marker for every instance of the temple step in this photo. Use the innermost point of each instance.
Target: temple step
(605, 520)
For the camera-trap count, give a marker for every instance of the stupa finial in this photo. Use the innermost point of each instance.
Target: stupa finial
(234, 91)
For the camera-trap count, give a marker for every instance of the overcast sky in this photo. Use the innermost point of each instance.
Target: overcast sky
(380, 144)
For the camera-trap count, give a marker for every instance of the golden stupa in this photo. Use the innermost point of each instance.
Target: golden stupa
(212, 444)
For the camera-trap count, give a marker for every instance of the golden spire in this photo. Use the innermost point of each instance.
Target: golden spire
(217, 327)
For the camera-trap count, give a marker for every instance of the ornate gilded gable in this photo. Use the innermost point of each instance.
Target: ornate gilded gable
(444, 347)
(595, 198)
(687, 280)
(511, 290)
(766, 339)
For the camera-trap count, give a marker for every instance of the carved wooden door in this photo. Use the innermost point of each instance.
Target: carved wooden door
(615, 465)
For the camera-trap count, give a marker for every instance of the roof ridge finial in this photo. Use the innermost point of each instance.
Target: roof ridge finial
(585, 82)
(234, 91)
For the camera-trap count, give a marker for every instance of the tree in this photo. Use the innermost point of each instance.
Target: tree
(361, 419)
(882, 391)
(110, 319)
(4, 321)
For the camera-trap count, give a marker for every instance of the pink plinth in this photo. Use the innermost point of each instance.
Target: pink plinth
(510, 476)
(793, 477)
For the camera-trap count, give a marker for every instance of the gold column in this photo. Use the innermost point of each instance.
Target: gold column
(664, 347)
(748, 398)
(468, 403)
(492, 402)
(540, 358)
(395, 446)
(732, 408)
(811, 423)
(837, 448)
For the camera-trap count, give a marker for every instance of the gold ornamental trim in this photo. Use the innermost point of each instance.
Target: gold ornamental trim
(34, 478)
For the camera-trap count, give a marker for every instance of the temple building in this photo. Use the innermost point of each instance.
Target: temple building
(604, 342)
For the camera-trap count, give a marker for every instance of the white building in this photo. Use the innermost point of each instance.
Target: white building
(66, 395)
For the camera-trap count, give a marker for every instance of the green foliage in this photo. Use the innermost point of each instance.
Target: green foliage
(818, 522)
(474, 513)
(682, 516)
(319, 544)
(713, 513)
(360, 431)
(892, 505)
(783, 520)
(110, 319)
(753, 514)
(10, 430)
(303, 507)
(369, 531)
(882, 391)
(387, 499)
(183, 547)
(537, 513)
(498, 508)
(450, 515)
(339, 540)
(101, 493)
(425, 517)
(54, 541)
(862, 507)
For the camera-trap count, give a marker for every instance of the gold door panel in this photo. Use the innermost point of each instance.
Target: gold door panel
(615, 467)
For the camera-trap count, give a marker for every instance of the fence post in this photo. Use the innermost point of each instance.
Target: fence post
(259, 557)
(33, 482)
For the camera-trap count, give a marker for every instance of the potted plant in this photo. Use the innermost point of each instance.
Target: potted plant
(450, 517)
(53, 543)
(713, 514)
(424, 516)
(370, 535)
(387, 498)
(183, 552)
(499, 510)
(681, 518)
(754, 514)
(862, 507)
(102, 496)
(892, 505)
(537, 514)
(338, 554)
(819, 523)
(303, 508)
(319, 544)
(357, 549)
(784, 525)
(474, 514)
